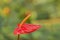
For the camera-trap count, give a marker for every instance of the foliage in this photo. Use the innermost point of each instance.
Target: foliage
(12, 12)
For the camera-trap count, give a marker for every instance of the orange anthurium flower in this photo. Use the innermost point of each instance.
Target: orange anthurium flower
(6, 10)
(25, 28)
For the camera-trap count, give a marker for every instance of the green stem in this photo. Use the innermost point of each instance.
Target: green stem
(18, 37)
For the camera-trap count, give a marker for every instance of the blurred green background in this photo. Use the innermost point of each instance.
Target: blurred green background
(44, 12)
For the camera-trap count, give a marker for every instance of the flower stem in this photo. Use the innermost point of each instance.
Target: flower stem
(18, 37)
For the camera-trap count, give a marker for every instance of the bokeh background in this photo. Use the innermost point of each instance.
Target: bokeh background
(44, 12)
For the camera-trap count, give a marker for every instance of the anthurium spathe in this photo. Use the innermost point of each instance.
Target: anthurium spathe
(25, 28)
